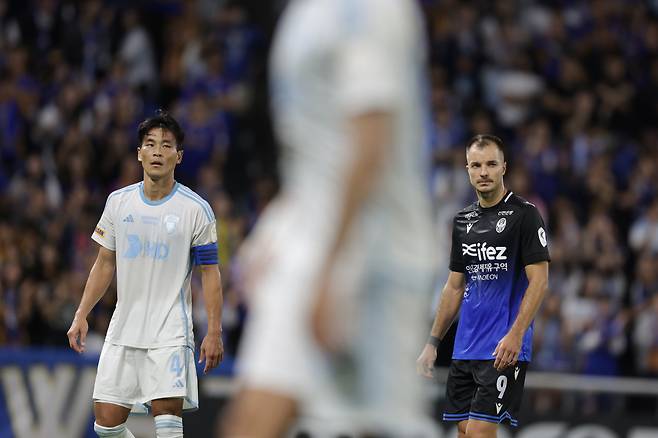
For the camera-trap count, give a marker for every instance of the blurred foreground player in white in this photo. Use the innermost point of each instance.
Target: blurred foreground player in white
(153, 232)
(342, 261)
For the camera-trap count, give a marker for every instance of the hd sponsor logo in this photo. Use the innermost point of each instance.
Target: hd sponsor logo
(137, 247)
(484, 252)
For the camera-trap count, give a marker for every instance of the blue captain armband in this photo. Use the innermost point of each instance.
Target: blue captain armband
(205, 254)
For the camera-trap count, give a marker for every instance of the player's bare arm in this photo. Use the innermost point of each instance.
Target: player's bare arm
(507, 350)
(99, 280)
(371, 132)
(446, 312)
(212, 347)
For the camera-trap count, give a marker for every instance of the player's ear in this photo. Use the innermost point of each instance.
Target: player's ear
(504, 167)
(139, 156)
(180, 156)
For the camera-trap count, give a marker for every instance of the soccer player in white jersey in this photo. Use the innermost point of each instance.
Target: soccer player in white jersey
(153, 233)
(341, 263)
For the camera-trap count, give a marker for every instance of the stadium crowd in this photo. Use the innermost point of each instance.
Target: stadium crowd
(571, 86)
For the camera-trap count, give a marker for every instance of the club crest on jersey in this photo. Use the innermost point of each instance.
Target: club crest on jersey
(500, 225)
(170, 222)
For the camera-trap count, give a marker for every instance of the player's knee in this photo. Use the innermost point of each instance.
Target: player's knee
(109, 414)
(173, 406)
(476, 429)
(461, 428)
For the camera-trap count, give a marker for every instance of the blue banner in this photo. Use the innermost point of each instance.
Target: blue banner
(48, 392)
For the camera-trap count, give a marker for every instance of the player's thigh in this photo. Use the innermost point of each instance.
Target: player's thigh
(167, 406)
(109, 414)
(461, 428)
(481, 429)
(460, 390)
(259, 413)
(277, 350)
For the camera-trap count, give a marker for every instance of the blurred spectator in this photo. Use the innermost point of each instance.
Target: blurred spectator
(645, 337)
(136, 52)
(206, 138)
(554, 351)
(645, 286)
(603, 340)
(643, 235)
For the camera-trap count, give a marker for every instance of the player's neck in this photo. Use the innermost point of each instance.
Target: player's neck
(489, 199)
(155, 190)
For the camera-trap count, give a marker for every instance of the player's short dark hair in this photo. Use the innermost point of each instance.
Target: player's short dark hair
(164, 120)
(481, 140)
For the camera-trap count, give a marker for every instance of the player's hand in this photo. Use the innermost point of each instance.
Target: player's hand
(507, 351)
(321, 316)
(212, 350)
(329, 331)
(425, 362)
(77, 334)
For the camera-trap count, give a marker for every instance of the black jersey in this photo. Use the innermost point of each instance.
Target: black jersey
(492, 246)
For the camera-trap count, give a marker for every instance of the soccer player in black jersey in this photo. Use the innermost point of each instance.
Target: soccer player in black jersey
(498, 279)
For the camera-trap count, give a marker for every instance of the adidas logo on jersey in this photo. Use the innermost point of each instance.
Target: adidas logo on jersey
(179, 384)
(484, 252)
(129, 218)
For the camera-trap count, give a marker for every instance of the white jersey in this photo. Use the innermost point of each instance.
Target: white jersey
(335, 59)
(155, 244)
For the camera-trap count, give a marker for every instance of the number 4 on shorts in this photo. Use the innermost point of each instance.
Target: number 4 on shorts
(176, 366)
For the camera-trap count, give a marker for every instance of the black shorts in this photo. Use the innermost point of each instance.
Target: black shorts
(476, 390)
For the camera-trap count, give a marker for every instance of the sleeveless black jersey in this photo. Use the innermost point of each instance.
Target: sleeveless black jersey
(492, 246)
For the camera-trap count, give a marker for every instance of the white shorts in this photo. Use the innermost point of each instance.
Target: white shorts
(277, 351)
(384, 307)
(132, 377)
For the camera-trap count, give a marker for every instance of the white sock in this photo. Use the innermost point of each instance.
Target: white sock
(120, 431)
(168, 426)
